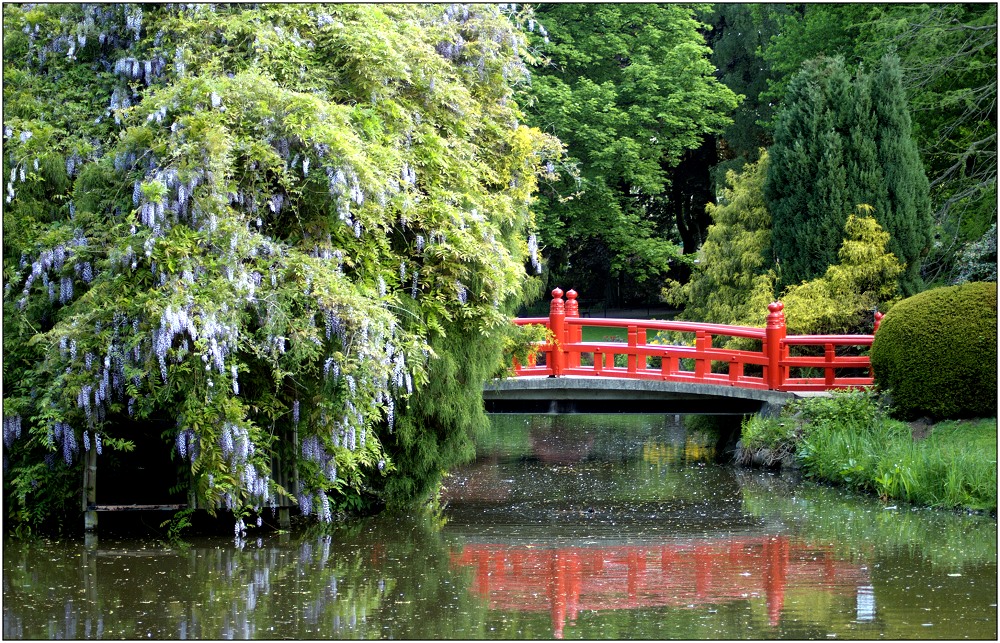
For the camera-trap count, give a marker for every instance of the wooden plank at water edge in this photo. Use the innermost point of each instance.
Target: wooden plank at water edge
(137, 507)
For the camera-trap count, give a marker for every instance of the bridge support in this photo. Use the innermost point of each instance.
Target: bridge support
(90, 490)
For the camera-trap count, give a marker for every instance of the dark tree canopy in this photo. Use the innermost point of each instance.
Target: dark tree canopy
(739, 34)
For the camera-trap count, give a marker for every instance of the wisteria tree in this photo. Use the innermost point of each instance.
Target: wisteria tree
(262, 223)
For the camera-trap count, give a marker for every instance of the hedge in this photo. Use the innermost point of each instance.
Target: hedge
(936, 353)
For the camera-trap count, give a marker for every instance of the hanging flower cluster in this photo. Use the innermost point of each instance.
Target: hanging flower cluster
(11, 429)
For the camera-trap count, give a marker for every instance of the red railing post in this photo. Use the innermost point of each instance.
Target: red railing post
(574, 333)
(878, 322)
(667, 366)
(557, 324)
(640, 337)
(633, 341)
(773, 334)
(829, 373)
(702, 343)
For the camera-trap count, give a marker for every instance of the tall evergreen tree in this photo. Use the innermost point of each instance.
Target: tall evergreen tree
(907, 210)
(841, 141)
(806, 186)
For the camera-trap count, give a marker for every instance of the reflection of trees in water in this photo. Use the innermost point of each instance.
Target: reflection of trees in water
(943, 538)
(557, 441)
(387, 577)
(565, 439)
(199, 592)
(477, 482)
(579, 473)
(612, 438)
(395, 577)
(692, 450)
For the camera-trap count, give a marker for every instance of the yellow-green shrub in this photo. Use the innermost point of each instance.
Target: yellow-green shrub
(841, 301)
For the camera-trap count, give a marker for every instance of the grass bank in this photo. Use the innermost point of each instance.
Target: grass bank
(849, 439)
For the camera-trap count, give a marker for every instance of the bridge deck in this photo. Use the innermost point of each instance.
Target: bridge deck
(569, 394)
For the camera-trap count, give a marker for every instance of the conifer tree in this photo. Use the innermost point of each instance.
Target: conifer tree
(840, 141)
(806, 185)
(841, 300)
(907, 210)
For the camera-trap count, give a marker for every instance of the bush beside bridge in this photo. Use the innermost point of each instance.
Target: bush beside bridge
(935, 353)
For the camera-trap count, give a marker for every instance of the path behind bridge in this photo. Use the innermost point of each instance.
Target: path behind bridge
(599, 309)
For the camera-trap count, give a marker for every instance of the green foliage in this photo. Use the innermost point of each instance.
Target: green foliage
(435, 430)
(766, 441)
(795, 431)
(842, 300)
(849, 407)
(254, 220)
(935, 352)
(630, 90)
(904, 207)
(947, 471)
(710, 429)
(177, 524)
(848, 449)
(761, 432)
(954, 467)
(810, 31)
(948, 53)
(41, 495)
(521, 343)
(978, 260)
(840, 141)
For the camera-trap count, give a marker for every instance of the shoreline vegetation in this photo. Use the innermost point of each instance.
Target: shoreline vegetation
(850, 440)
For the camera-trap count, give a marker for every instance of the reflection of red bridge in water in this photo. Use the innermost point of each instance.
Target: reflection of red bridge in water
(566, 581)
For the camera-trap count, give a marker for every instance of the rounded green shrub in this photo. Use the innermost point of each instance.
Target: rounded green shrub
(936, 353)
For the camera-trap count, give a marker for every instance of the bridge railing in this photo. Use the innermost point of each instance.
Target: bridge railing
(644, 355)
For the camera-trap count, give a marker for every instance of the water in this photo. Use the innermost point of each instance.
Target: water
(589, 527)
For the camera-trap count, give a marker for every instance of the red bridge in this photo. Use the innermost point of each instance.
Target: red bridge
(680, 359)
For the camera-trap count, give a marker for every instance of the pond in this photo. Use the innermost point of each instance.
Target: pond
(582, 526)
